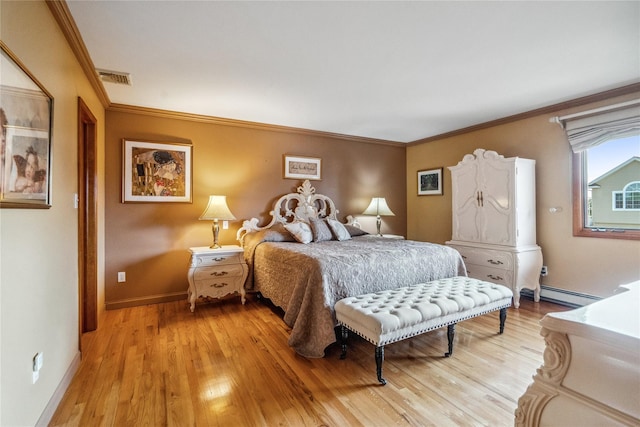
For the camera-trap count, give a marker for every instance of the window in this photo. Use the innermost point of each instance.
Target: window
(612, 177)
(618, 200)
(627, 199)
(606, 171)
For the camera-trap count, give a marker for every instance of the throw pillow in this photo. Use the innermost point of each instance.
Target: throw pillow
(355, 231)
(338, 229)
(320, 230)
(300, 231)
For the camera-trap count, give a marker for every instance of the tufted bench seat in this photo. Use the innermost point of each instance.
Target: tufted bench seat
(389, 316)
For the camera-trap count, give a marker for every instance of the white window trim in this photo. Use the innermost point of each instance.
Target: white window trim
(613, 200)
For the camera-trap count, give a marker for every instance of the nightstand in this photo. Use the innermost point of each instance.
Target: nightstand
(214, 273)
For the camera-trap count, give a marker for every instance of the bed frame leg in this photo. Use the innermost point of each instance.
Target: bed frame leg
(379, 360)
(451, 331)
(344, 335)
(503, 318)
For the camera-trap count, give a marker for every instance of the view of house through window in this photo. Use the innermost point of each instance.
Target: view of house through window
(612, 178)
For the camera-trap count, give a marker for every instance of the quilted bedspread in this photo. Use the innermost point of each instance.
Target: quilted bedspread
(306, 280)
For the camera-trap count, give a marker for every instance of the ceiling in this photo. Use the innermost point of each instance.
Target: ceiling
(397, 71)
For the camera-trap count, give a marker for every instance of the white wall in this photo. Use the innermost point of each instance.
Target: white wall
(38, 247)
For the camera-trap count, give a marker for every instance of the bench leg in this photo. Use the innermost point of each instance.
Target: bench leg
(451, 330)
(379, 360)
(503, 318)
(344, 335)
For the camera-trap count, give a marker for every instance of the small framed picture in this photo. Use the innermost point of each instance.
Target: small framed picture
(297, 167)
(430, 182)
(26, 110)
(156, 171)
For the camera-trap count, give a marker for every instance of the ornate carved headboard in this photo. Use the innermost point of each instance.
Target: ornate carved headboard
(301, 206)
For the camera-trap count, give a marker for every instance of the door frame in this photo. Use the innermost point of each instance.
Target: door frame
(87, 219)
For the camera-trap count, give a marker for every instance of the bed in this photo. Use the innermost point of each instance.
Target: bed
(307, 279)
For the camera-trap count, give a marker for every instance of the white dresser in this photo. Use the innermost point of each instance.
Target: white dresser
(591, 370)
(214, 273)
(494, 220)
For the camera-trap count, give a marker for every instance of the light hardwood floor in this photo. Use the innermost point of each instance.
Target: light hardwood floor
(230, 365)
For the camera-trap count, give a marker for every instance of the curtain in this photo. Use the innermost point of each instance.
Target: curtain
(588, 131)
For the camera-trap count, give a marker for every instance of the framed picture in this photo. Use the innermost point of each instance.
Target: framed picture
(297, 167)
(156, 171)
(25, 148)
(430, 182)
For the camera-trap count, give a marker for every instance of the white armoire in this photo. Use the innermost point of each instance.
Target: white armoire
(494, 220)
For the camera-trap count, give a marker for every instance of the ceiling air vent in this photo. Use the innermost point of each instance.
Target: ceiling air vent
(116, 77)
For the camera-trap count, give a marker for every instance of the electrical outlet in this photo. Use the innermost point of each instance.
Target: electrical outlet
(225, 225)
(122, 277)
(544, 271)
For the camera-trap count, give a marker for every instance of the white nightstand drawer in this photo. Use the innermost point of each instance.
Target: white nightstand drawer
(219, 259)
(220, 271)
(217, 288)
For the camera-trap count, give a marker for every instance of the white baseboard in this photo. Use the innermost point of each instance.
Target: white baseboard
(55, 400)
(561, 296)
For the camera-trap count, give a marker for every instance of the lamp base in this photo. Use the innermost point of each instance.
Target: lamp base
(216, 230)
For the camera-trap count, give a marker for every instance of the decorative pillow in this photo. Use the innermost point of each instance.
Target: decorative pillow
(320, 230)
(300, 231)
(338, 229)
(277, 233)
(355, 231)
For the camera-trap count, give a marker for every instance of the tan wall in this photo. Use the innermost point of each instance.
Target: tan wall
(149, 241)
(38, 247)
(584, 265)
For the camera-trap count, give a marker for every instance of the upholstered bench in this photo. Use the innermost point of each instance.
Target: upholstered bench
(393, 315)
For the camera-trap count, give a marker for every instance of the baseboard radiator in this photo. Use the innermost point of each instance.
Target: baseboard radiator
(561, 296)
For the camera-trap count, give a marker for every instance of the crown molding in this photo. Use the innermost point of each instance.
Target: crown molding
(62, 15)
(601, 96)
(166, 114)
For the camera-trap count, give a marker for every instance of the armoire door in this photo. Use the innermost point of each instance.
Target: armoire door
(467, 221)
(497, 181)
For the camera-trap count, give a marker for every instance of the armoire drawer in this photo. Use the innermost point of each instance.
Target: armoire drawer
(486, 257)
(490, 274)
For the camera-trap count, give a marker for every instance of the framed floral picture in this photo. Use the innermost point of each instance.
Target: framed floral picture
(430, 182)
(26, 110)
(156, 171)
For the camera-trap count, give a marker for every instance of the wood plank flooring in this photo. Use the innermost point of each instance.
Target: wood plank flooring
(229, 364)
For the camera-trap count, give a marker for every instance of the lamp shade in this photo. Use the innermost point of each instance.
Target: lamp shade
(217, 209)
(378, 206)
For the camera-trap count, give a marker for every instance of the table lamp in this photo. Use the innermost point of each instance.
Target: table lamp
(378, 207)
(217, 209)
